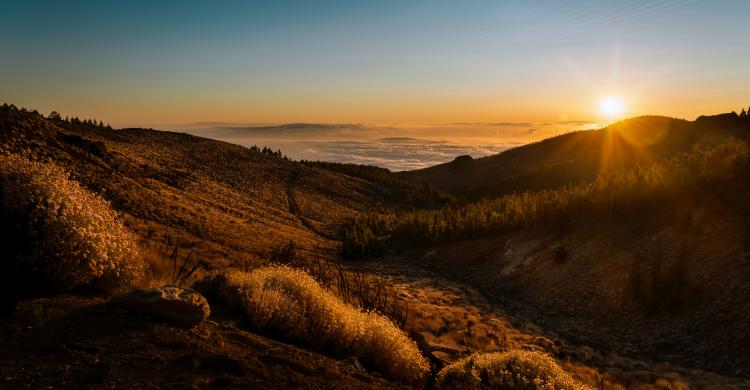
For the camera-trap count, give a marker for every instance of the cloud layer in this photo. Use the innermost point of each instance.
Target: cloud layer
(395, 148)
(398, 154)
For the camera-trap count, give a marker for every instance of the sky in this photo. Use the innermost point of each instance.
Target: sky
(165, 63)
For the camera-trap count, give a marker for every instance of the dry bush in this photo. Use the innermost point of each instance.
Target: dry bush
(516, 369)
(356, 288)
(291, 304)
(174, 262)
(59, 236)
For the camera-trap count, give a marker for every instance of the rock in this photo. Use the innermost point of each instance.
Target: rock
(181, 306)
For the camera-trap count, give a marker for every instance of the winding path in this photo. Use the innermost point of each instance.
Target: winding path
(294, 208)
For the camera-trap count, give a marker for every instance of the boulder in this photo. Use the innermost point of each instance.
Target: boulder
(180, 306)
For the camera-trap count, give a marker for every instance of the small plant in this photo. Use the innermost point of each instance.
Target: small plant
(58, 236)
(659, 285)
(173, 261)
(183, 265)
(285, 254)
(516, 369)
(289, 303)
(560, 254)
(183, 268)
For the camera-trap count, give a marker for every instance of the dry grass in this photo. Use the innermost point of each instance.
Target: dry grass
(368, 292)
(515, 369)
(291, 304)
(174, 262)
(60, 232)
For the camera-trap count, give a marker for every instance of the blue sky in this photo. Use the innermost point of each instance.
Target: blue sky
(155, 63)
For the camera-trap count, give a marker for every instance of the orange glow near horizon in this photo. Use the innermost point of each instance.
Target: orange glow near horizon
(549, 109)
(384, 63)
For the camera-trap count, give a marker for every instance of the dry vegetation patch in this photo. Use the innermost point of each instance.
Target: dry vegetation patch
(57, 235)
(515, 369)
(290, 303)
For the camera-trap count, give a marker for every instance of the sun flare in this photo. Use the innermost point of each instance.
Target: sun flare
(611, 106)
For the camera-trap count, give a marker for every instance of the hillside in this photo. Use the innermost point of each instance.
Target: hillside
(191, 202)
(609, 282)
(647, 261)
(228, 201)
(579, 156)
(661, 289)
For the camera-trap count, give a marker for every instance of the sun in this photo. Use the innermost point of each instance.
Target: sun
(612, 106)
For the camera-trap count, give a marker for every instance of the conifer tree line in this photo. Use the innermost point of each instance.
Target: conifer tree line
(91, 123)
(269, 152)
(614, 194)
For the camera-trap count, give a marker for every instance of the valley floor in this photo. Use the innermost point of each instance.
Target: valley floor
(457, 316)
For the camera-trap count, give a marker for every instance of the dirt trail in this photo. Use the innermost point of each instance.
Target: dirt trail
(294, 208)
(455, 315)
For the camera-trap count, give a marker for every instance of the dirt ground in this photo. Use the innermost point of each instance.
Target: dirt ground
(82, 342)
(455, 315)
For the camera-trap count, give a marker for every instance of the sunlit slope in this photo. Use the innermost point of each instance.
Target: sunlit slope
(226, 199)
(579, 156)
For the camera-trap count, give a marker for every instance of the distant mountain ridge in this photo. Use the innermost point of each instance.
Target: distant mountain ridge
(306, 129)
(579, 156)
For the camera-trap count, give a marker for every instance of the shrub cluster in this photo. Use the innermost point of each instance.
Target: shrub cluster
(57, 235)
(517, 369)
(291, 304)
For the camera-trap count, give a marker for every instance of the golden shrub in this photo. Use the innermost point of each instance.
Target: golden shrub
(63, 234)
(291, 304)
(517, 369)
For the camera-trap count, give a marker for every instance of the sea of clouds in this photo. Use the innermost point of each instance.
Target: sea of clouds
(395, 148)
(394, 154)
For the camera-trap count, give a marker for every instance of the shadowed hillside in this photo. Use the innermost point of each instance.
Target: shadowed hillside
(649, 258)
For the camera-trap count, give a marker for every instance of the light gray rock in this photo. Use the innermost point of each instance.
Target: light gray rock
(180, 306)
